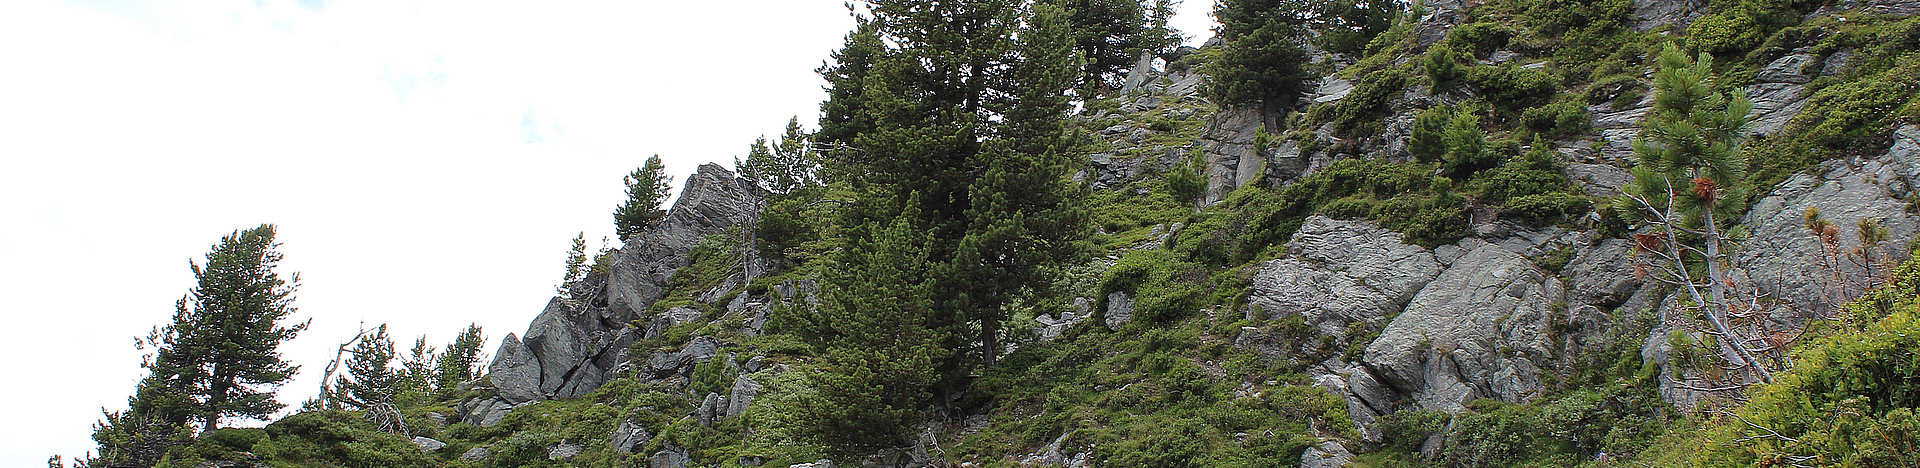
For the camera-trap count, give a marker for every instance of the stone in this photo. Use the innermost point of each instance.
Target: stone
(1780, 256)
(571, 347)
(474, 454)
(698, 350)
(1339, 274)
(669, 319)
(710, 408)
(671, 456)
(1332, 89)
(1119, 309)
(629, 436)
(1326, 454)
(428, 445)
(563, 451)
(1893, 7)
(1600, 274)
(745, 389)
(1482, 329)
(1788, 69)
(516, 372)
(438, 419)
(1598, 180)
(817, 464)
(1837, 63)
(1652, 14)
(1774, 105)
(1140, 75)
(492, 415)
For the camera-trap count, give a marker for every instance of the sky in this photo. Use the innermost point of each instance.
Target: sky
(427, 162)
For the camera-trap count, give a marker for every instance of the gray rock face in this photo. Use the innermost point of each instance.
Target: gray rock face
(1789, 69)
(1601, 274)
(1774, 105)
(671, 456)
(713, 407)
(571, 348)
(700, 349)
(1328, 454)
(474, 454)
(742, 395)
(1339, 274)
(669, 319)
(516, 371)
(1119, 309)
(1140, 75)
(1227, 142)
(563, 451)
(487, 412)
(1599, 180)
(428, 445)
(1651, 14)
(629, 436)
(1479, 330)
(1781, 257)
(817, 464)
(1893, 7)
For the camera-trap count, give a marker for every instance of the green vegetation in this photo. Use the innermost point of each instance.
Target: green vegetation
(647, 188)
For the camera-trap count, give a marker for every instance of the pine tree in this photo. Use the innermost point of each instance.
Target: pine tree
(1264, 63)
(647, 188)
(456, 362)
(213, 359)
(1108, 33)
(1690, 166)
(843, 115)
(880, 347)
(786, 166)
(372, 380)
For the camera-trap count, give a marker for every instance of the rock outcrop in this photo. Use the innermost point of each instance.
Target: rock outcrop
(1479, 330)
(1338, 276)
(572, 347)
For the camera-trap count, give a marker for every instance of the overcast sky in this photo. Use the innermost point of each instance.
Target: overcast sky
(427, 162)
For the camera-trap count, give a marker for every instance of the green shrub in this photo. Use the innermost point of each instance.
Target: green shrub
(1427, 143)
(1443, 65)
(1547, 207)
(1481, 38)
(1186, 183)
(1726, 31)
(1360, 112)
(1163, 287)
(1511, 87)
(1535, 173)
(1558, 119)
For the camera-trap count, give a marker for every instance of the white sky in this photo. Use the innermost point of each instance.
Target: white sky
(427, 162)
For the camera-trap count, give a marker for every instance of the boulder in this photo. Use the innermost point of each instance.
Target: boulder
(1652, 14)
(1140, 75)
(571, 348)
(1788, 69)
(671, 456)
(669, 319)
(428, 445)
(742, 395)
(1479, 330)
(474, 454)
(700, 349)
(817, 464)
(629, 436)
(1774, 105)
(1327, 454)
(1893, 7)
(516, 371)
(1600, 274)
(1119, 309)
(1783, 259)
(563, 451)
(1599, 180)
(711, 408)
(1337, 275)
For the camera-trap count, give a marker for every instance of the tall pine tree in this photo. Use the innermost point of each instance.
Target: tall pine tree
(964, 142)
(219, 358)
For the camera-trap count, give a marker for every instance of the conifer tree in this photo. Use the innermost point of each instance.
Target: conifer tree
(1690, 166)
(372, 379)
(647, 188)
(965, 140)
(1264, 63)
(785, 166)
(212, 361)
(880, 347)
(842, 115)
(457, 360)
(1109, 33)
